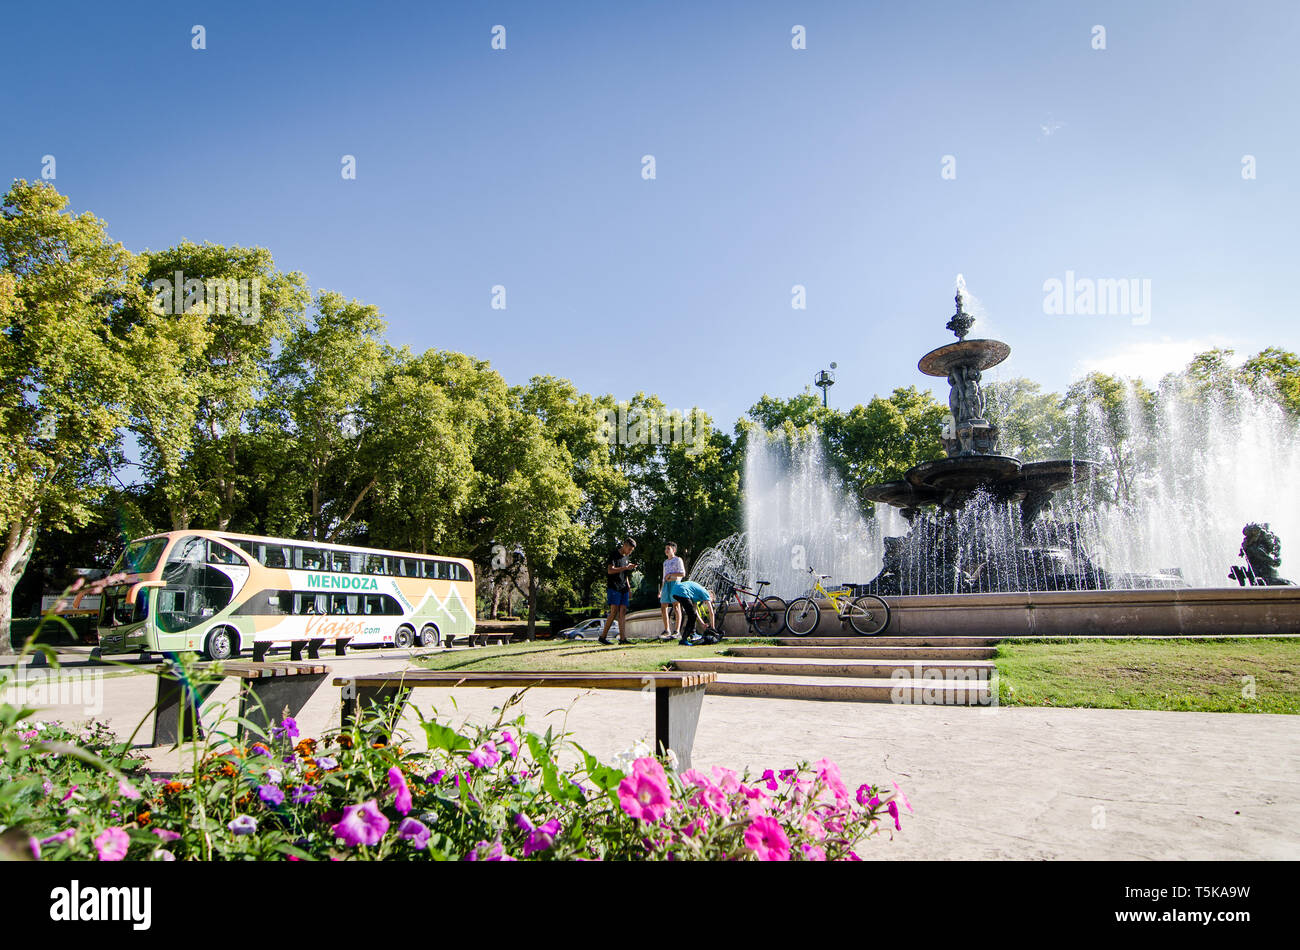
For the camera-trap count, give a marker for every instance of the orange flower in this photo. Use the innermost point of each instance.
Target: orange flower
(345, 742)
(173, 787)
(142, 819)
(311, 776)
(305, 747)
(228, 770)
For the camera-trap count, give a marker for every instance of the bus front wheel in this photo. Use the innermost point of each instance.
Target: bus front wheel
(221, 644)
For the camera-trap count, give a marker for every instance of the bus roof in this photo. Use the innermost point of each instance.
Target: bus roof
(235, 535)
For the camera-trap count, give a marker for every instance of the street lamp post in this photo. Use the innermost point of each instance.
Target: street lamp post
(824, 380)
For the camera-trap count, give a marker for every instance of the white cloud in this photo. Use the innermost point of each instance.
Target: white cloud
(1152, 360)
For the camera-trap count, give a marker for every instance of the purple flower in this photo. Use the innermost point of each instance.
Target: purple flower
(67, 834)
(68, 795)
(35, 847)
(243, 825)
(770, 778)
(274, 776)
(397, 782)
(327, 762)
(416, 832)
(494, 853)
(112, 844)
(542, 838)
(508, 741)
(271, 794)
(166, 835)
(485, 756)
(47, 788)
(436, 777)
(303, 794)
(522, 822)
(259, 749)
(288, 729)
(362, 824)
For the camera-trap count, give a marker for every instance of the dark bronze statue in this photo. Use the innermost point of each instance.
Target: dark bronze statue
(1263, 552)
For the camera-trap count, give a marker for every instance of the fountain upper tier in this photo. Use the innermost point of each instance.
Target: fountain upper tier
(970, 442)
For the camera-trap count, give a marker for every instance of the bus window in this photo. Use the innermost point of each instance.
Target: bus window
(218, 553)
(458, 572)
(309, 559)
(195, 591)
(140, 557)
(338, 561)
(346, 604)
(114, 611)
(408, 566)
(280, 601)
(376, 564)
(374, 604)
(440, 570)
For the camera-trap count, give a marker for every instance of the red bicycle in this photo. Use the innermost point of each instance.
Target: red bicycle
(765, 616)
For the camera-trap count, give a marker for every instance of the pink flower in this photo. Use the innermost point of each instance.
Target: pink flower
(126, 790)
(644, 794)
(166, 835)
(512, 749)
(727, 779)
(829, 773)
(892, 808)
(361, 824)
(112, 844)
(812, 852)
(769, 778)
(714, 799)
(416, 832)
(767, 840)
(813, 826)
(902, 796)
(757, 801)
(485, 756)
(397, 782)
(696, 778)
(68, 795)
(698, 826)
(542, 838)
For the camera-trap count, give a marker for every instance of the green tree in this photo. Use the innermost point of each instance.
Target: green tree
(1275, 372)
(1031, 423)
(62, 372)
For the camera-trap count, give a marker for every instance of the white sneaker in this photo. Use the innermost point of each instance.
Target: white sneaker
(667, 636)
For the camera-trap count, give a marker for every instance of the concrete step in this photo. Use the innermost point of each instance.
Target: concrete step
(852, 641)
(882, 669)
(867, 652)
(843, 689)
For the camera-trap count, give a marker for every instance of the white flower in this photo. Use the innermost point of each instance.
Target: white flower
(162, 855)
(274, 777)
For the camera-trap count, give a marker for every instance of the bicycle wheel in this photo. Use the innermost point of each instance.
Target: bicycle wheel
(720, 617)
(768, 617)
(869, 615)
(802, 616)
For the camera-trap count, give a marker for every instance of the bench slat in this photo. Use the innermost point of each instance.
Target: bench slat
(589, 680)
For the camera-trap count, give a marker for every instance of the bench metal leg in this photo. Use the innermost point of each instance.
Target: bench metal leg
(677, 713)
(260, 650)
(358, 699)
(341, 646)
(313, 649)
(295, 649)
(178, 703)
(264, 702)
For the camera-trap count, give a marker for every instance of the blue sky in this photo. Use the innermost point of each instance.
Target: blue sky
(775, 167)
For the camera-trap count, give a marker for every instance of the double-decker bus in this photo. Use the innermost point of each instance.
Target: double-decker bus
(218, 593)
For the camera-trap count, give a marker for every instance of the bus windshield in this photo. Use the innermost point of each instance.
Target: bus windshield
(140, 557)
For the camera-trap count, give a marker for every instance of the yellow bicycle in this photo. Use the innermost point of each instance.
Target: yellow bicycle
(867, 615)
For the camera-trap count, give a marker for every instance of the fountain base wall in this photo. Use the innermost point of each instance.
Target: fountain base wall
(1185, 611)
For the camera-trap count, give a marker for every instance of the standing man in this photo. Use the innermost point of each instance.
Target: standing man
(618, 590)
(674, 571)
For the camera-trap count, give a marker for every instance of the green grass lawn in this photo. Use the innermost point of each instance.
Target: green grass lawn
(1219, 675)
(571, 655)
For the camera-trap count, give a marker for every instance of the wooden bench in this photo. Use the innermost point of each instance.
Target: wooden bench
(266, 691)
(677, 696)
(262, 647)
(477, 639)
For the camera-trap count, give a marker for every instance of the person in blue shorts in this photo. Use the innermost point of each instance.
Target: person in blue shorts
(690, 595)
(674, 571)
(618, 590)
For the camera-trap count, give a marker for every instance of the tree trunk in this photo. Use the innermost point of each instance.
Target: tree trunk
(532, 604)
(13, 562)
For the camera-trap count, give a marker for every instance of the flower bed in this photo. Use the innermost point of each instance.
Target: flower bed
(494, 794)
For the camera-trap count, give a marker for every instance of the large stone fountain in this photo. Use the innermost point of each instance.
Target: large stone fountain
(976, 517)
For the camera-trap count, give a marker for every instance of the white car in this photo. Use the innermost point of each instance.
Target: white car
(588, 628)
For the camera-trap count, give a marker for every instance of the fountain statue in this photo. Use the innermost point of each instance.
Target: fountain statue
(1263, 552)
(973, 541)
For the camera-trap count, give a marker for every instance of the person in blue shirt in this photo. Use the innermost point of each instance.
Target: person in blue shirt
(689, 595)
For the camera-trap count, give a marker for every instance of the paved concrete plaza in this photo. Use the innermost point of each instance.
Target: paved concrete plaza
(985, 783)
